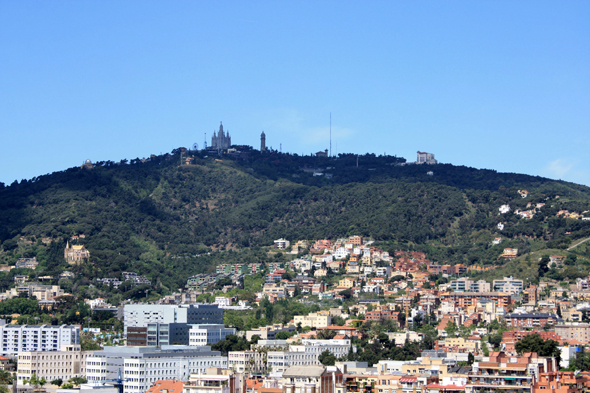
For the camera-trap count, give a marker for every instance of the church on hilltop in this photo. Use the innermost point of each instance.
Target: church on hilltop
(220, 140)
(75, 254)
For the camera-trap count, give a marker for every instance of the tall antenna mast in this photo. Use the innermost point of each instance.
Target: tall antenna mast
(205, 144)
(330, 134)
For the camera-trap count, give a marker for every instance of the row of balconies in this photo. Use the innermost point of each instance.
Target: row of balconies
(505, 373)
(500, 383)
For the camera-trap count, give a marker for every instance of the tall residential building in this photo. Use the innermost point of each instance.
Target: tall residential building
(141, 315)
(30, 338)
(529, 320)
(508, 285)
(469, 299)
(574, 331)
(142, 366)
(465, 285)
(68, 362)
(513, 374)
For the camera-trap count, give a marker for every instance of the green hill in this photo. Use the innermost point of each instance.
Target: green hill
(168, 222)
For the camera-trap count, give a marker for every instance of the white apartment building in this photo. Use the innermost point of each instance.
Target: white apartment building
(200, 335)
(222, 301)
(68, 362)
(246, 361)
(302, 265)
(282, 244)
(142, 366)
(31, 338)
(97, 303)
(306, 354)
(508, 285)
(341, 253)
(464, 284)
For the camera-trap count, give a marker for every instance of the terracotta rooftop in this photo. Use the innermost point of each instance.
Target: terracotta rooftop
(166, 386)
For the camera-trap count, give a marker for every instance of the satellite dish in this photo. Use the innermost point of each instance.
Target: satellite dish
(195, 147)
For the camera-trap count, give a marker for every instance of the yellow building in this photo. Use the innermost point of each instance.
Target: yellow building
(432, 365)
(314, 320)
(346, 282)
(459, 343)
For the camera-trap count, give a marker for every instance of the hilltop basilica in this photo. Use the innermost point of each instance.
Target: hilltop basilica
(221, 140)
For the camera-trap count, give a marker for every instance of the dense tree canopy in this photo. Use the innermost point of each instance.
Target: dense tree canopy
(155, 217)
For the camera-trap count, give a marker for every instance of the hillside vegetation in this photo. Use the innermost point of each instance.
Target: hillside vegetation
(168, 222)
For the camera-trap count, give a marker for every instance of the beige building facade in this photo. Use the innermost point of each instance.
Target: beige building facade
(67, 363)
(314, 320)
(574, 331)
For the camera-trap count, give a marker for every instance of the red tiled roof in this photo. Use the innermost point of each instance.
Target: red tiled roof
(170, 386)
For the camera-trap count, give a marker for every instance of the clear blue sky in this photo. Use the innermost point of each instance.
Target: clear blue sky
(503, 85)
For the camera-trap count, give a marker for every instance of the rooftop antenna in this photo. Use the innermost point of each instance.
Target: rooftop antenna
(330, 134)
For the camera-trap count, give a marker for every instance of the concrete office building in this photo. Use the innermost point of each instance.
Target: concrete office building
(68, 362)
(159, 334)
(200, 335)
(141, 315)
(142, 366)
(31, 338)
(306, 354)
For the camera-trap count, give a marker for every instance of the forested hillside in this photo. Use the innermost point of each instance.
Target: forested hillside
(167, 221)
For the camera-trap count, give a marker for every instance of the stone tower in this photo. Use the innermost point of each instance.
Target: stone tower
(262, 142)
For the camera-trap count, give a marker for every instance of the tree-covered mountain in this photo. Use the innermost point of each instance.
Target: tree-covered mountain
(168, 221)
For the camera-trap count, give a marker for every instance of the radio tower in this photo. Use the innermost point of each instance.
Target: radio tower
(330, 134)
(205, 144)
